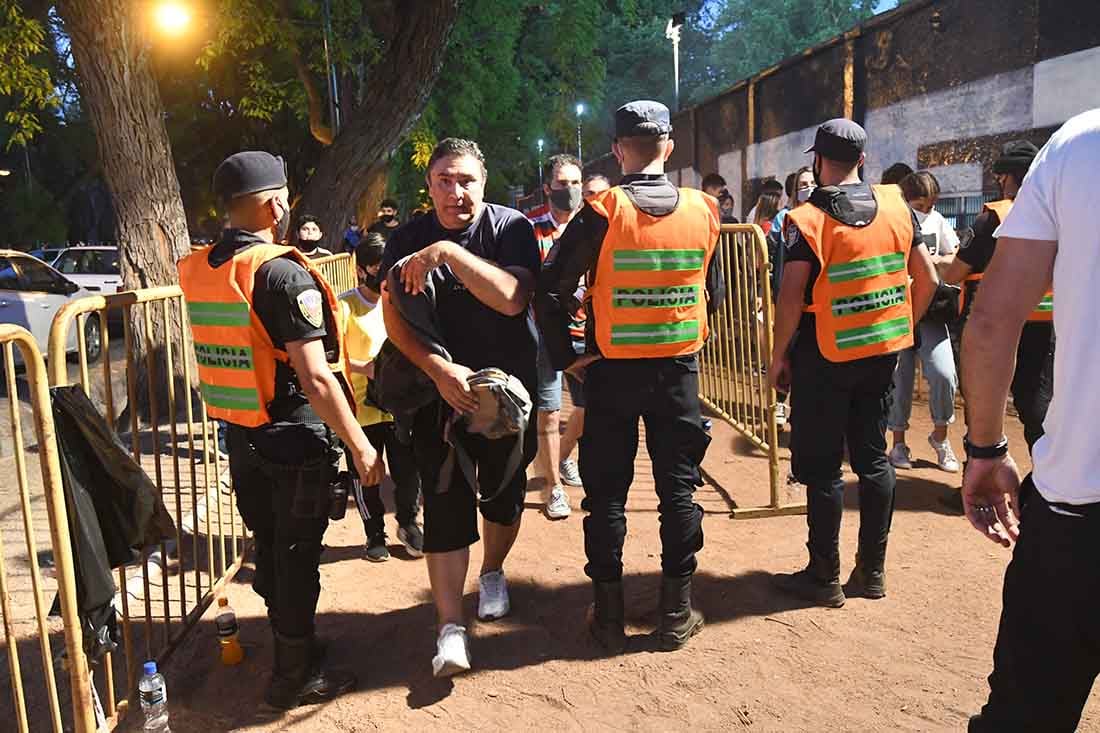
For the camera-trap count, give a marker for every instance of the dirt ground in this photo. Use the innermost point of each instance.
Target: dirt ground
(915, 661)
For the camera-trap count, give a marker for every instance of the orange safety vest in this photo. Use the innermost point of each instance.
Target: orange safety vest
(648, 292)
(234, 351)
(862, 299)
(1043, 313)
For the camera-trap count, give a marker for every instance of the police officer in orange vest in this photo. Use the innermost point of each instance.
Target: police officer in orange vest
(846, 291)
(1033, 380)
(647, 249)
(271, 364)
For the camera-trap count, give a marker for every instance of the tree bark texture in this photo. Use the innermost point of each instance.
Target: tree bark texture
(414, 36)
(111, 48)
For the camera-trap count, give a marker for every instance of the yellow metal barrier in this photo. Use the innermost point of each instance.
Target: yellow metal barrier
(732, 377)
(209, 544)
(11, 609)
(339, 270)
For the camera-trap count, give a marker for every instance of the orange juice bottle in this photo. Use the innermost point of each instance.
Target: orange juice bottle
(228, 633)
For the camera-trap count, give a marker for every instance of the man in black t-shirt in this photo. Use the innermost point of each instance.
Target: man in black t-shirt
(282, 450)
(388, 219)
(1033, 378)
(481, 260)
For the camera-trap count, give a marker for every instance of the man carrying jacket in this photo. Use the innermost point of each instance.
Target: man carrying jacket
(647, 248)
(271, 362)
(846, 291)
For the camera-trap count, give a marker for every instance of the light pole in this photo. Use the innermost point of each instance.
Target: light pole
(580, 111)
(333, 87)
(542, 192)
(672, 33)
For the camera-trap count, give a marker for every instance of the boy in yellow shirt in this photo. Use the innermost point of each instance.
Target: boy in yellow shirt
(365, 332)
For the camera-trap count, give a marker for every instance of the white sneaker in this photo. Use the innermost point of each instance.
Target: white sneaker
(557, 506)
(780, 414)
(945, 457)
(570, 474)
(899, 456)
(452, 651)
(492, 601)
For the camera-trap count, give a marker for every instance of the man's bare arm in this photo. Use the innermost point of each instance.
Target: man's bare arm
(506, 290)
(957, 271)
(925, 280)
(1015, 281)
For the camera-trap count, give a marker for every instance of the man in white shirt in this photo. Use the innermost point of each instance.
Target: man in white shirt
(1046, 656)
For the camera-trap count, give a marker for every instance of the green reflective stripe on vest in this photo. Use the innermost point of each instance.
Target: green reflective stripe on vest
(217, 356)
(670, 297)
(627, 260)
(219, 314)
(1046, 305)
(654, 333)
(230, 398)
(875, 300)
(853, 337)
(862, 269)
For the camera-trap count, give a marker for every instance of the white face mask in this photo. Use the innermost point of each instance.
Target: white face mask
(803, 194)
(921, 216)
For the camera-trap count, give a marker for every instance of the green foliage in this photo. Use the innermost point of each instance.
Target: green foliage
(30, 213)
(747, 36)
(24, 82)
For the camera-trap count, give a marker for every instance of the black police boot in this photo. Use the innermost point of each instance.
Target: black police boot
(605, 621)
(818, 583)
(679, 621)
(298, 678)
(868, 578)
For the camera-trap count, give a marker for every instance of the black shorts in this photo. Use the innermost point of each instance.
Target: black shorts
(450, 516)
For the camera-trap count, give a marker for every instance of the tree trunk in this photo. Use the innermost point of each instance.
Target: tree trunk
(415, 41)
(119, 92)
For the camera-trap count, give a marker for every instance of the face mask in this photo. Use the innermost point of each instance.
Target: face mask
(803, 194)
(282, 226)
(388, 219)
(921, 216)
(373, 282)
(566, 199)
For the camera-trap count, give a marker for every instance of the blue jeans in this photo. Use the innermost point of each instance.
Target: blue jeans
(939, 371)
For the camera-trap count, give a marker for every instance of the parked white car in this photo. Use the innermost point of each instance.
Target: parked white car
(31, 293)
(92, 268)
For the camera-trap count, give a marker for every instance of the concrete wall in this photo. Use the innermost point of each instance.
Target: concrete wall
(946, 99)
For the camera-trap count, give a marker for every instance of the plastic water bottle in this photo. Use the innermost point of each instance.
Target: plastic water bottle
(228, 633)
(154, 700)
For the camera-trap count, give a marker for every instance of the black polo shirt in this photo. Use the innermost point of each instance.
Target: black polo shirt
(476, 335)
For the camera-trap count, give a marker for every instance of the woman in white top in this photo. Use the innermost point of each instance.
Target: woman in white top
(921, 190)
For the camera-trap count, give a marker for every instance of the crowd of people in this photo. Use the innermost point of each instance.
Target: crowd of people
(450, 357)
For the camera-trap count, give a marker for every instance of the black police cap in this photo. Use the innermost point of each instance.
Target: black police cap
(1016, 157)
(248, 172)
(839, 139)
(642, 118)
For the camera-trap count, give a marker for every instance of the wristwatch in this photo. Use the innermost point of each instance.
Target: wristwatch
(997, 450)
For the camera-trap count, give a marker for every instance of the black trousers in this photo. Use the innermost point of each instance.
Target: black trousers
(1048, 645)
(665, 394)
(832, 404)
(406, 480)
(1033, 380)
(281, 476)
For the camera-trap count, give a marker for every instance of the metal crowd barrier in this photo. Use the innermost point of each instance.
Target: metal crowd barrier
(26, 677)
(339, 271)
(732, 366)
(162, 598)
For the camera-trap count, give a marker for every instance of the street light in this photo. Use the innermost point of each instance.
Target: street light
(672, 33)
(4, 172)
(580, 111)
(173, 18)
(542, 192)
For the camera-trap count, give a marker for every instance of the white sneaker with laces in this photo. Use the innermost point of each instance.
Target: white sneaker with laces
(780, 414)
(452, 651)
(557, 506)
(899, 456)
(945, 457)
(492, 601)
(570, 474)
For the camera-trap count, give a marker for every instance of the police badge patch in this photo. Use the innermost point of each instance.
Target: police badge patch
(311, 307)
